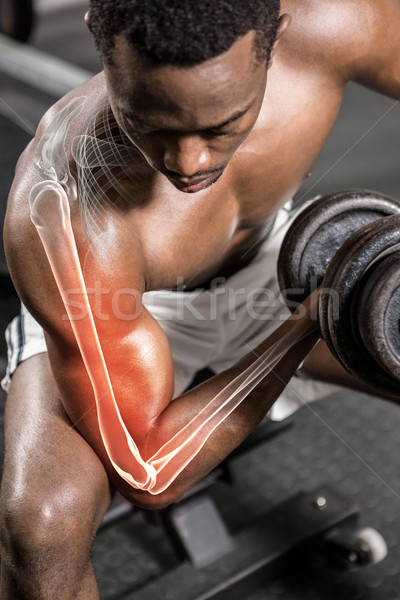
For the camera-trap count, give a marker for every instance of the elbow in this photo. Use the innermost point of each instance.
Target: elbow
(151, 502)
(160, 501)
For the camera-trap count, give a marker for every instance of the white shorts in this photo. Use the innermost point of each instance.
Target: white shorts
(210, 328)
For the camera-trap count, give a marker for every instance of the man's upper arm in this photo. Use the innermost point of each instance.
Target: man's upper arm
(135, 348)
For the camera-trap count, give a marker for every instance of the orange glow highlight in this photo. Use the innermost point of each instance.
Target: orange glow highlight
(51, 217)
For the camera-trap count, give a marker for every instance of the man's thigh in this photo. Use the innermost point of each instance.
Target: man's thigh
(44, 455)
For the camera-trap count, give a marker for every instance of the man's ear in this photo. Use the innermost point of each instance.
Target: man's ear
(88, 21)
(284, 22)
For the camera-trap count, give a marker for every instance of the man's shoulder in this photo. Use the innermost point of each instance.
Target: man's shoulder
(22, 243)
(340, 34)
(323, 20)
(93, 94)
(114, 259)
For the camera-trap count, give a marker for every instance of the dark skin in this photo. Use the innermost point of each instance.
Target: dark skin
(248, 140)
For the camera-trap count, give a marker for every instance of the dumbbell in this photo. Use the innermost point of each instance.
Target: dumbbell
(349, 244)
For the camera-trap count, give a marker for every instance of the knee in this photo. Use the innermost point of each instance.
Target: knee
(36, 525)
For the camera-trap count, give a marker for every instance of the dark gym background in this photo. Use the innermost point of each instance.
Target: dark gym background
(349, 441)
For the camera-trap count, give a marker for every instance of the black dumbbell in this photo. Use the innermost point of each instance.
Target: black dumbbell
(350, 243)
(318, 232)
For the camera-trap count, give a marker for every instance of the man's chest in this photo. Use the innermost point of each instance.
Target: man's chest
(195, 235)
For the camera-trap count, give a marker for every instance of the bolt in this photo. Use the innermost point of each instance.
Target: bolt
(353, 557)
(320, 502)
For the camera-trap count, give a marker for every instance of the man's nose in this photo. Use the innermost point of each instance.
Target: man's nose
(187, 156)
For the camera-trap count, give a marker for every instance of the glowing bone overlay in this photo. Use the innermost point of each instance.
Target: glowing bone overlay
(50, 213)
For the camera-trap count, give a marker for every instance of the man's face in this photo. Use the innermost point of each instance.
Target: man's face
(187, 122)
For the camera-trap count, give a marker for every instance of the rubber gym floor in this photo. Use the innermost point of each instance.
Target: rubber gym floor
(347, 440)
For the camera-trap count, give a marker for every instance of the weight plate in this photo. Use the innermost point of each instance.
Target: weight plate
(338, 306)
(378, 312)
(319, 231)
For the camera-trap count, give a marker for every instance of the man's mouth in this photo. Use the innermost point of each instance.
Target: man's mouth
(195, 186)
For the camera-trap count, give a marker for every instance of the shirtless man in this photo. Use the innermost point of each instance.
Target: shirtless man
(219, 145)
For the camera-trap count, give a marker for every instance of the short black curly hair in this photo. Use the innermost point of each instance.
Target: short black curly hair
(183, 32)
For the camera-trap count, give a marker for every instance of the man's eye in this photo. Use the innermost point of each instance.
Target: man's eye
(142, 129)
(222, 131)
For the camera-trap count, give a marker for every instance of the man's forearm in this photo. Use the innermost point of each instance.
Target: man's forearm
(290, 343)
